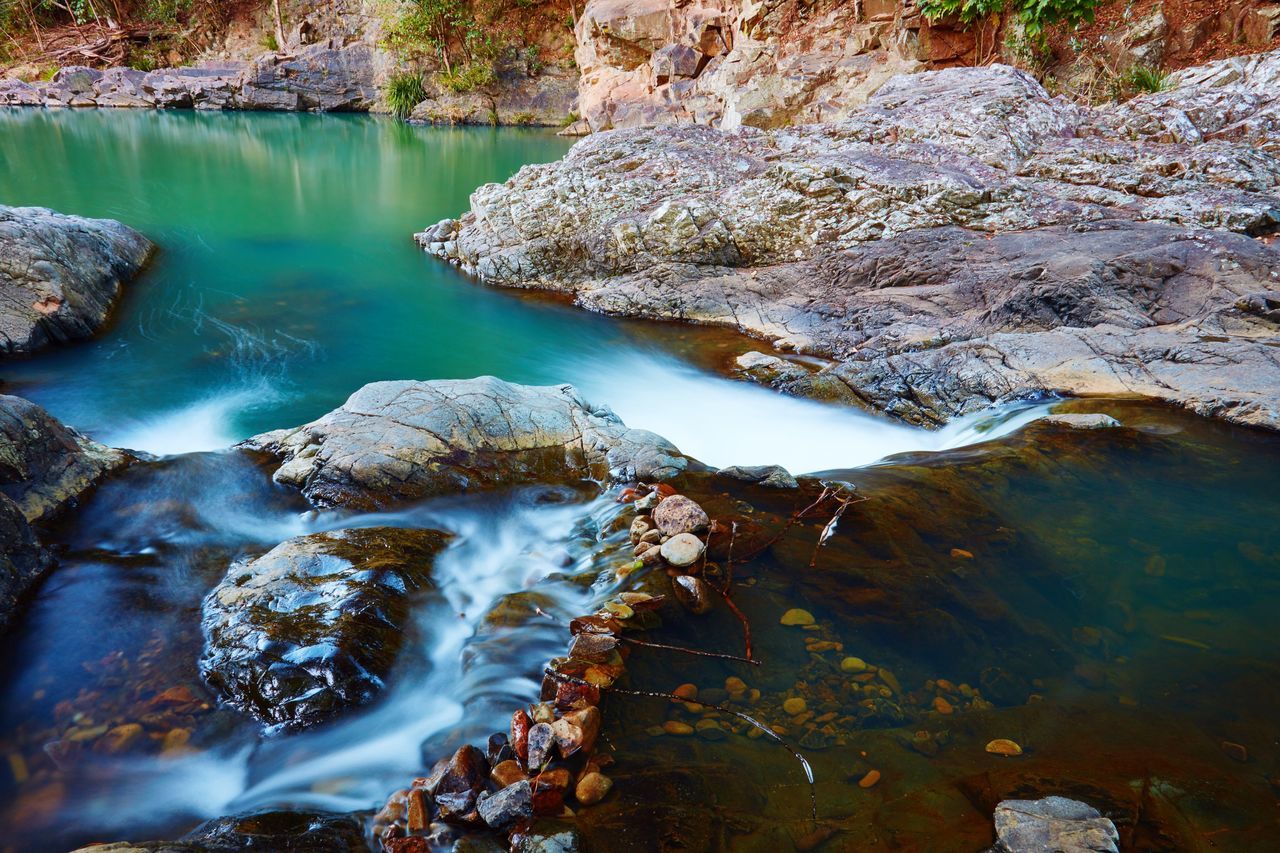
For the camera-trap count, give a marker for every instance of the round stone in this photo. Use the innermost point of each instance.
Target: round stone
(794, 706)
(852, 664)
(797, 617)
(677, 514)
(683, 549)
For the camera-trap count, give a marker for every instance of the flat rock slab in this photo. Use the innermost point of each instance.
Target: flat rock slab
(393, 442)
(314, 625)
(1053, 824)
(962, 239)
(60, 275)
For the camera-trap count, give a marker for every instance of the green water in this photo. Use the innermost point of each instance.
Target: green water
(286, 276)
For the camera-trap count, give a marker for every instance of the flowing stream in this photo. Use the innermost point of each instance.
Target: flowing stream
(285, 280)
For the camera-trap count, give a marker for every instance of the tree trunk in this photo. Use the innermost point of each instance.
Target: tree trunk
(275, 9)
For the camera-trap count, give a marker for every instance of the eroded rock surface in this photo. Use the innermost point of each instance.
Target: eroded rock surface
(313, 626)
(22, 559)
(402, 441)
(961, 240)
(1053, 823)
(60, 275)
(44, 464)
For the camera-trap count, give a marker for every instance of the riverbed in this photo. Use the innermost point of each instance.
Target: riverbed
(1107, 593)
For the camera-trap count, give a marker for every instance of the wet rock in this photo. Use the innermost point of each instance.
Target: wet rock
(1082, 421)
(678, 514)
(60, 275)
(466, 770)
(1053, 823)
(46, 466)
(323, 77)
(507, 773)
(22, 560)
(1003, 746)
(796, 617)
(547, 836)
(313, 626)
(401, 441)
(693, 593)
(120, 739)
(542, 742)
(502, 808)
(284, 831)
(682, 550)
(970, 239)
(771, 476)
(592, 788)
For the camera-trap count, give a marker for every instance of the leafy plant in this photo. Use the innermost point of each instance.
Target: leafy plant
(1034, 15)
(471, 76)
(1144, 78)
(404, 92)
(270, 42)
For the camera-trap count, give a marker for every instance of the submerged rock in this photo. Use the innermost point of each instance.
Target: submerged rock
(61, 274)
(313, 626)
(963, 239)
(44, 464)
(1053, 823)
(403, 441)
(288, 832)
(22, 559)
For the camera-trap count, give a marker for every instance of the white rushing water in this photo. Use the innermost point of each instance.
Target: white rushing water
(452, 681)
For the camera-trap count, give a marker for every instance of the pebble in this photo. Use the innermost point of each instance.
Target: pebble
(639, 528)
(735, 685)
(1003, 746)
(852, 664)
(542, 740)
(942, 706)
(1235, 750)
(869, 780)
(796, 616)
(693, 593)
(119, 739)
(678, 514)
(682, 550)
(687, 692)
(592, 788)
(710, 730)
(961, 554)
(794, 706)
(507, 773)
(675, 727)
(888, 678)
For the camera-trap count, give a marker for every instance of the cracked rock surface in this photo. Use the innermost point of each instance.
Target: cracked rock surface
(313, 626)
(400, 441)
(60, 275)
(963, 239)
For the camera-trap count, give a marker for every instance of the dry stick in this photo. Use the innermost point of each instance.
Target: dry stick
(830, 526)
(688, 651)
(804, 762)
(746, 626)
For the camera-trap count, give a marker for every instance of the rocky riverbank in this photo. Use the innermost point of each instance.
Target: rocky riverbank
(964, 239)
(60, 275)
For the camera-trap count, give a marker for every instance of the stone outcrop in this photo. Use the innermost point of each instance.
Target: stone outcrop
(962, 240)
(393, 442)
(313, 626)
(325, 77)
(60, 275)
(547, 99)
(1053, 823)
(728, 63)
(46, 466)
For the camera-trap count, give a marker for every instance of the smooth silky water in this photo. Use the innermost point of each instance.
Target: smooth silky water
(286, 279)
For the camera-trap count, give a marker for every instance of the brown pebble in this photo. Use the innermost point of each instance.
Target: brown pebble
(942, 706)
(1003, 746)
(419, 814)
(687, 692)
(675, 727)
(592, 788)
(869, 780)
(1235, 750)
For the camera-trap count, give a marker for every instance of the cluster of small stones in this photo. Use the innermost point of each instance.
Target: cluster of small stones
(547, 764)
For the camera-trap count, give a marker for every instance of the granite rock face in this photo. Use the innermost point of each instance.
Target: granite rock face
(393, 442)
(729, 64)
(961, 240)
(313, 626)
(60, 275)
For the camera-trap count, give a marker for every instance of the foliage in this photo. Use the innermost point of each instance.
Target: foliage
(1034, 15)
(1143, 78)
(473, 75)
(270, 42)
(404, 92)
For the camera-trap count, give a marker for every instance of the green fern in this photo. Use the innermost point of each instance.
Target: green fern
(404, 92)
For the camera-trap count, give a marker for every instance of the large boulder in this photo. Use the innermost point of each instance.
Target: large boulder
(45, 465)
(962, 239)
(393, 442)
(314, 625)
(328, 77)
(60, 275)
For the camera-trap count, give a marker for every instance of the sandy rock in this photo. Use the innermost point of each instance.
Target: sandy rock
(313, 626)
(403, 441)
(60, 275)
(682, 550)
(678, 514)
